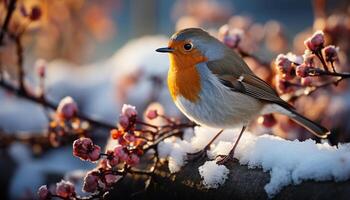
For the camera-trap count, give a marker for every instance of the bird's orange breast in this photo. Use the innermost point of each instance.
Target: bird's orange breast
(183, 77)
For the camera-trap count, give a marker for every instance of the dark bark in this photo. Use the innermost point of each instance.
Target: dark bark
(243, 183)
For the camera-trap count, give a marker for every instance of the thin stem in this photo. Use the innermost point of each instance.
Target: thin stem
(53, 106)
(320, 56)
(10, 10)
(146, 124)
(19, 51)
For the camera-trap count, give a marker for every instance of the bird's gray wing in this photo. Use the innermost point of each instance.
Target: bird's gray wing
(246, 82)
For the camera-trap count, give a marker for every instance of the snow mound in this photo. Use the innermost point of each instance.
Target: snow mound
(288, 162)
(213, 174)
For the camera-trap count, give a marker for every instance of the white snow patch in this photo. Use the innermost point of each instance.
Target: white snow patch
(213, 174)
(288, 162)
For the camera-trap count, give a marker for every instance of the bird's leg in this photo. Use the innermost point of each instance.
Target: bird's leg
(229, 157)
(202, 153)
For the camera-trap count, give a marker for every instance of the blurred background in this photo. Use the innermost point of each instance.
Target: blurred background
(102, 54)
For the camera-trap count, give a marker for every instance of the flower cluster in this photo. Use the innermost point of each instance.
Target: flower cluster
(64, 190)
(86, 150)
(295, 71)
(134, 137)
(66, 125)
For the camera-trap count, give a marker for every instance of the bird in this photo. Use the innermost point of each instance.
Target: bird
(214, 87)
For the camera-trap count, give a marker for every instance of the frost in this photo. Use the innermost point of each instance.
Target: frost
(213, 174)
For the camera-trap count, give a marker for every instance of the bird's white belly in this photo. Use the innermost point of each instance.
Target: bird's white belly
(218, 106)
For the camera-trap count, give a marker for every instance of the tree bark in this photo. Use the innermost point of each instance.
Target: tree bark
(242, 183)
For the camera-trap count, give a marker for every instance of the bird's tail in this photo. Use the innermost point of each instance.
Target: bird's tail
(313, 127)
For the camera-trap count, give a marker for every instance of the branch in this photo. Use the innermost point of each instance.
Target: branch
(4, 27)
(51, 105)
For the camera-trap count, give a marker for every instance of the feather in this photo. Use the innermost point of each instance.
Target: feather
(240, 78)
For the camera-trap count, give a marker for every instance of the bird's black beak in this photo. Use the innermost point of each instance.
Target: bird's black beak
(165, 50)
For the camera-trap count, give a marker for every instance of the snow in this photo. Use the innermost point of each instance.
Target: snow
(288, 162)
(213, 174)
(31, 173)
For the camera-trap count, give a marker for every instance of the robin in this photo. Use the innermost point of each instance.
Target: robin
(213, 86)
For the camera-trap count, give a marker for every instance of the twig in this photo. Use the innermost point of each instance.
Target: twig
(19, 51)
(4, 27)
(51, 105)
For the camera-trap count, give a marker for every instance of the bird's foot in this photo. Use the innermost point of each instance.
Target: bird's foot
(197, 155)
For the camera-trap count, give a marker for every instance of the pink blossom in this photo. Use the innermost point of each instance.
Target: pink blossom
(308, 58)
(283, 86)
(152, 114)
(129, 110)
(124, 121)
(110, 179)
(307, 81)
(315, 42)
(120, 153)
(302, 70)
(284, 66)
(91, 181)
(331, 53)
(43, 193)
(230, 37)
(86, 150)
(67, 108)
(112, 160)
(133, 160)
(94, 155)
(65, 189)
(267, 120)
(129, 137)
(35, 14)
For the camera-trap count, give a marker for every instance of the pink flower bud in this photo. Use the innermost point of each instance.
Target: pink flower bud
(315, 42)
(94, 155)
(120, 153)
(23, 10)
(84, 149)
(129, 137)
(331, 53)
(152, 114)
(35, 14)
(283, 86)
(43, 193)
(111, 159)
(307, 81)
(124, 121)
(302, 70)
(308, 58)
(91, 181)
(267, 120)
(133, 160)
(65, 189)
(284, 66)
(230, 37)
(40, 66)
(129, 110)
(67, 108)
(110, 179)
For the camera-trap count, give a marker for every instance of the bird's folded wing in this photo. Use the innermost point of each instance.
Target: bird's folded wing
(252, 85)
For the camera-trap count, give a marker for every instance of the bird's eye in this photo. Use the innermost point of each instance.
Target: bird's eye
(188, 46)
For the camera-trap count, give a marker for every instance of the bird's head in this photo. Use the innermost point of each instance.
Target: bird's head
(191, 46)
